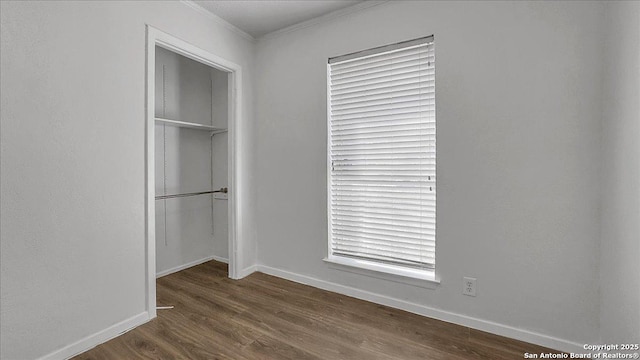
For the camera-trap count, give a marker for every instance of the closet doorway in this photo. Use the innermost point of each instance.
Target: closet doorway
(192, 112)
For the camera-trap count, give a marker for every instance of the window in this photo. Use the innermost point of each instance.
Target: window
(382, 158)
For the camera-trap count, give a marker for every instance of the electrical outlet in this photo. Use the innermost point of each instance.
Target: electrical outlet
(469, 286)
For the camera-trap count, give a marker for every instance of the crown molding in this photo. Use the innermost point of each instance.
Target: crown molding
(324, 18)
(219, 20)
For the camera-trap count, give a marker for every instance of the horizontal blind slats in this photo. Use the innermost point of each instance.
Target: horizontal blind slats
(386, 259)
(382, 92)
(385, 131)
(427, 116)
(386, 151)
(382, 60)
(383, 86)
(376, 248)
(423, 110)
(384, 99)
(392, 134)
(368, 251)
(416, 238)
(398, 72)
(364, 220)
(354, 194)
(419, 211)
(364, 201)
(406, 216)
(382, 150)
(378, 142)
(385, 162)
(393, 245)
(379, 58)
(405, 64)
(395, 149)
(419, 188)
(391, 103)
(407, 122)
(385, 81)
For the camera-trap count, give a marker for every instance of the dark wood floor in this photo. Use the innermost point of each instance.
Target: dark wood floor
(264, 317)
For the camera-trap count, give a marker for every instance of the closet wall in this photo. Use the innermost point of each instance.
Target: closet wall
(185, 91)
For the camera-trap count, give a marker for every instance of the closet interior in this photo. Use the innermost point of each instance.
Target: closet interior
(191, 162)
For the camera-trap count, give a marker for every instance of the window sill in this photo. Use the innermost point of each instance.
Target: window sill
(415, 277)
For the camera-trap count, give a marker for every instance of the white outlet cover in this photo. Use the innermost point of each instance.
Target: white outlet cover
(469, 286)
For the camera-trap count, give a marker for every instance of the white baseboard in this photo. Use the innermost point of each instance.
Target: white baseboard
(463, 320)
(185, 266)
(247, 271)
(98, 338)
(220, 259)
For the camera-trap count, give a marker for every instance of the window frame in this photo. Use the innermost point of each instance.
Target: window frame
(422, 277)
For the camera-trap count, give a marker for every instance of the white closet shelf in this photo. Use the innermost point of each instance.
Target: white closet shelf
(189, 125)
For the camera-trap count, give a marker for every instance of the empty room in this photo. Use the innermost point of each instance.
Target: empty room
(310, 179)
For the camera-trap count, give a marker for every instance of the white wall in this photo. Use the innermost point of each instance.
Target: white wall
(72, 169)
(620, 248)
(518, 110)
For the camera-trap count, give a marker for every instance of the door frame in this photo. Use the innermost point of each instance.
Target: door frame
(155, 38)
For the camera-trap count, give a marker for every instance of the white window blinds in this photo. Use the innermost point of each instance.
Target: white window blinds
(382, 153)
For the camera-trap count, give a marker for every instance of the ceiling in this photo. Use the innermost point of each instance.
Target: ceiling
(260, 17)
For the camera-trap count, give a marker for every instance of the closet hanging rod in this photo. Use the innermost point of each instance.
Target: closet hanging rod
(162, 197)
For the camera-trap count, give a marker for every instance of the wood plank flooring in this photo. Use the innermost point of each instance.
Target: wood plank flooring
(265, 317)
